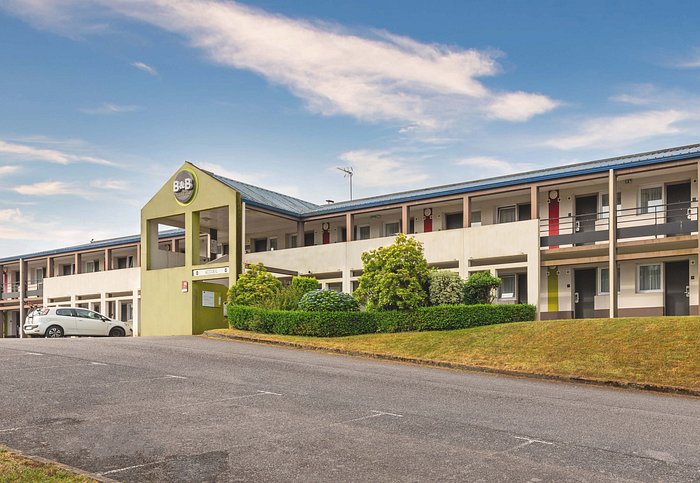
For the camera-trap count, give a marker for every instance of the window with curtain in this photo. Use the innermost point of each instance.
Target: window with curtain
(649, 277)
(506, 214)
(651, 199)
(507, 289)
(391, 229)
(604, 282)
(475, 218)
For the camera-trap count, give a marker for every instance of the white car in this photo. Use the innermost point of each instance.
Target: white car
(60, 321)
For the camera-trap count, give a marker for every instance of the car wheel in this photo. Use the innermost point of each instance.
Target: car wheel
(54, 331)
(117, 332)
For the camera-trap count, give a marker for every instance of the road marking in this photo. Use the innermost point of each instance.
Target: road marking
(126, 468)
(9, 430)
(375, 415)
(528, 442)
(34, 353)
(175, 377)
(98, 363)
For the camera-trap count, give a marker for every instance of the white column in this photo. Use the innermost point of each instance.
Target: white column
(22, 295)
(612, 238)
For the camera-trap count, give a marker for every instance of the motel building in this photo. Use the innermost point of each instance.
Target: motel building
(551, 235)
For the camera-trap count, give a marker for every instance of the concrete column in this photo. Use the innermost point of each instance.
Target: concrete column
(103, 304)
(405, 221)
(534, 208)
(612, 238)
(49, 267)
(349, 232)
(77, 260)
(466, 211)
(300, 233)
(22, 294)
(173, 246)
(108, 260)
(191, 239)
(136, 305)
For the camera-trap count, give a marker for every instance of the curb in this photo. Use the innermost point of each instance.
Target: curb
(71, 469)
(462, 367)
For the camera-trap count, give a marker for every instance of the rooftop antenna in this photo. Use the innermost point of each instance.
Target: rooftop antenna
(348, 174)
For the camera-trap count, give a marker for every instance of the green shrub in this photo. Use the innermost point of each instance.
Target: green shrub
(337, 324)
(445, 288)
(328, 301)
(253, 286)
(286, 298)
(304, 284)
(480, 288)
(394, 277)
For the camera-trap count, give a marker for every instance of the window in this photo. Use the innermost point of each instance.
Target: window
(343, 234)
(604, 280)
(362, 232)
(65, 312)
(335, 286)
(93, 266)
(290, 240)
(475, 218)
(453, 220)
(273, 243)
(88, 314)
(260, 245)
(507, 289)
(604, 205)
(524, 211)
(649, 278)
(309, 239)
(506, 214)
(651, 199)
(125, 262)
(39, 274)
(67, 269)
(392, 228)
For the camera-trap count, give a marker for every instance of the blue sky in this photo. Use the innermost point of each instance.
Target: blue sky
(102, 100)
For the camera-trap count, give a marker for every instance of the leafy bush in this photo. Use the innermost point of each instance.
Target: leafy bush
(327, 300)
(286, 298)
(480, 288)
(253, 286)
(304, 284)
(337, 324)
(445, 288)
(394, 277)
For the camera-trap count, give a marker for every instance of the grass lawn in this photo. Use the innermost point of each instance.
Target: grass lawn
(651, 350)
(16, 468)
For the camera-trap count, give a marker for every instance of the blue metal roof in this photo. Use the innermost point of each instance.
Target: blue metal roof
(125, 240)
(264, 198)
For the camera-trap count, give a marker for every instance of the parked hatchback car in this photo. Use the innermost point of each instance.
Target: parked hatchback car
(61, 321)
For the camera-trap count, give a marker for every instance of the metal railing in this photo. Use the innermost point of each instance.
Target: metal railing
(12, 290)
(645, 222)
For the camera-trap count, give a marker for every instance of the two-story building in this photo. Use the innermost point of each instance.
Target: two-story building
(549, 234)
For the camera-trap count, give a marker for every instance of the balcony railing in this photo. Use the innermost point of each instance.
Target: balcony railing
(657, 221)
(11, 290)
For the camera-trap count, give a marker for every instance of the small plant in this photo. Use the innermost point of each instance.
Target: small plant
(254, 286)
(445, 288)
(327, 301)
(480, 288)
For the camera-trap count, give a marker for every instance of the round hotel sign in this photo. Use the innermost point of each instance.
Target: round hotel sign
(185, 186)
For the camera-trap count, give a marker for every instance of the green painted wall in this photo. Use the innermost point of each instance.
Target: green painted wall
(165, 308)
(205, 318)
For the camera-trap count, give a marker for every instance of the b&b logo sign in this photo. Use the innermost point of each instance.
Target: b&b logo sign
(185, 186)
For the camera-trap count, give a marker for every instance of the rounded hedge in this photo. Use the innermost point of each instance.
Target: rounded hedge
(327, 301)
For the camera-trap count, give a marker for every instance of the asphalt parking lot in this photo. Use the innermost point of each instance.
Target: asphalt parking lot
(195, 409)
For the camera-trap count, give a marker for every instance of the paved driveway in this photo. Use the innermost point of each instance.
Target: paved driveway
(194, 409)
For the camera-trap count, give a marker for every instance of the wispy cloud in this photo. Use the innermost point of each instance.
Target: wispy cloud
(50, 188)
(150, 70)
(110, 108)
(484, 166)
(690, 61)
(18, 225)
(7, 170)
(606, 132)
(110, 184)
(372, 76)
(16, 150)
(374, 169)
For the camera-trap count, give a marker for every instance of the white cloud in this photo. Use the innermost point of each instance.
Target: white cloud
(606, 132)
(33, 153)
(49, 188)
(110, 108)
(150, 70)
(520, 106)
(375, 76)
(17, 225)
(484, 166)
(691, 61)
(110, 184)
(6, 170)
(382, 169)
